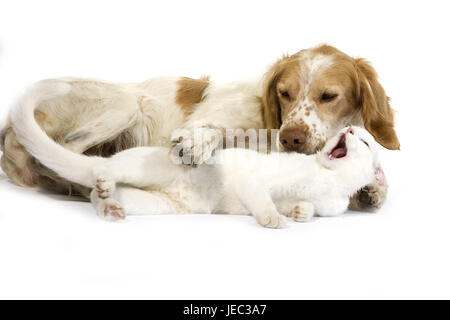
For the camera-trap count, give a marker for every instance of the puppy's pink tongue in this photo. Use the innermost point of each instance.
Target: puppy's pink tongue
(338, 153)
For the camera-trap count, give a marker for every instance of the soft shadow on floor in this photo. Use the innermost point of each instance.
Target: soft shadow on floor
(366, 212)
(62, 197)
(49, 194)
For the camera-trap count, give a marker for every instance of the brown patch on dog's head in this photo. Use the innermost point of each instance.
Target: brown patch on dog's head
(191, 92)
(376, 111)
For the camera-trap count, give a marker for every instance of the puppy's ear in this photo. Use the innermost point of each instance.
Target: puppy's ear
(376, 112)
(271, 104)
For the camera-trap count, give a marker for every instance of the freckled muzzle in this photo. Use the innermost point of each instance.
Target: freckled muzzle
(298, 138)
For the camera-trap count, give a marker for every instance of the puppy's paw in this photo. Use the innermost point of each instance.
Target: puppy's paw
(194, 147)
(371, 196)
(274, 221)
(110, 209)
(104, 187)
(302, 212)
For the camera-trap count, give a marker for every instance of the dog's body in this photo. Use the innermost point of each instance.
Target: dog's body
(309, 96)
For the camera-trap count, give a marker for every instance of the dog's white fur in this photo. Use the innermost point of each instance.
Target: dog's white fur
(243, 181)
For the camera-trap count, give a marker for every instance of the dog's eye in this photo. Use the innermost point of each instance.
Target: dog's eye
(285, 94)
(327, 97)
(365, 143)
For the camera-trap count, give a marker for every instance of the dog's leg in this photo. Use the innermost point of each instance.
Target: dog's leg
(259, 203)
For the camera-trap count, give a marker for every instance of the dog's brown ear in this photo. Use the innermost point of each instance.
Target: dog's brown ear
(376, 111)
(271, 104)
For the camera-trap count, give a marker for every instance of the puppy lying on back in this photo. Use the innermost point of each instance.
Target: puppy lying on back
(237, 182)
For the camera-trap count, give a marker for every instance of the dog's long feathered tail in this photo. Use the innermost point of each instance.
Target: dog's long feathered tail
(67, 164)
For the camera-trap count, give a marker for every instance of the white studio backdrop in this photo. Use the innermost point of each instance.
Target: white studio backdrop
(55, 247)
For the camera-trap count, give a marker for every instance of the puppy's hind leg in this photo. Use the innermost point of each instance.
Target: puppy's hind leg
(106, 177)
(139, 168)
(140, 202)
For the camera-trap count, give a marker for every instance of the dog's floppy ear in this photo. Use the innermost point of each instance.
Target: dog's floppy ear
(376, 112)
(271, 104)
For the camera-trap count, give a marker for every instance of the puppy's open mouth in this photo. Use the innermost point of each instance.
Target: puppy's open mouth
(340, 150)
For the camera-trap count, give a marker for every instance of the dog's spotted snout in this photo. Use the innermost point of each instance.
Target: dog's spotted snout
(293, 139)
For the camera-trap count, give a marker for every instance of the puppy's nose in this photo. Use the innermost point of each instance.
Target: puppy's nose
(293, 139)
(350, 130)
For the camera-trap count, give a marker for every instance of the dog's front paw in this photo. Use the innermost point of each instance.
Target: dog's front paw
(274, 221)
(371, 196)
(110, 209)
(194, 147)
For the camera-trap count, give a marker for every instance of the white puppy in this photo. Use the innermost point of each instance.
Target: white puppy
(237, 182)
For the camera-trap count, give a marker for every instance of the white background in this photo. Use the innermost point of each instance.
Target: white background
(54, 247)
